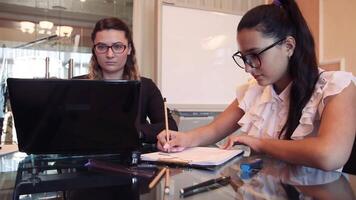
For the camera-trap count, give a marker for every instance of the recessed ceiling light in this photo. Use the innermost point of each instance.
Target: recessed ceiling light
(82, 0)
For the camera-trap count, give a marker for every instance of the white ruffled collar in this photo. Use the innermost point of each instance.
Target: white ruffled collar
(269, 93)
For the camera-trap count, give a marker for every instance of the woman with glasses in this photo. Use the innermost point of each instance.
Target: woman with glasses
(292, 110)
(114, 58)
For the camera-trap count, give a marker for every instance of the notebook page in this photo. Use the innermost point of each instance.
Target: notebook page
(203, 156)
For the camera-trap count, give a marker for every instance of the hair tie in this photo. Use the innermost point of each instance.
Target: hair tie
(277, 2)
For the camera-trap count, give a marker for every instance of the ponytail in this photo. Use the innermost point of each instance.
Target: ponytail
(280, 19)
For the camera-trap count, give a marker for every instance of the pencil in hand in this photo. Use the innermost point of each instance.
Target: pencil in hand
(166, 120)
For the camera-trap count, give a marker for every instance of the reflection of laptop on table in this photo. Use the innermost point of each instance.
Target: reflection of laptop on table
(75, 116)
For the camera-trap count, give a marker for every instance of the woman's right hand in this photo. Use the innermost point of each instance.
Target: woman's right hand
(178, 141)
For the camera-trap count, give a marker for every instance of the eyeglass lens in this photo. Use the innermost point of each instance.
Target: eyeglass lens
(251, 59)
(116, 48)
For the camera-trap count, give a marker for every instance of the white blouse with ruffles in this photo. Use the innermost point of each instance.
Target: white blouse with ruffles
(266, 112)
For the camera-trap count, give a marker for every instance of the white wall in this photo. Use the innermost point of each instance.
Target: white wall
(338, 32)
(144, 33)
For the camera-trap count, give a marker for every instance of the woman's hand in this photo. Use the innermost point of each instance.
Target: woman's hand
(178, 141)
(252, 142)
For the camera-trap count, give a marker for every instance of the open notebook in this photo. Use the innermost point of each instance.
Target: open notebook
(196, 156)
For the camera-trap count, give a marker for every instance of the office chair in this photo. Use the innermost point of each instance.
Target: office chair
(350, 166)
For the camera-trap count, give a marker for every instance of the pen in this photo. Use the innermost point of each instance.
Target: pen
(205, 186)
(166, 119)
(157, 178)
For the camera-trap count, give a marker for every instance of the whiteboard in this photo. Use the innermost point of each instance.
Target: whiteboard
(197, 69)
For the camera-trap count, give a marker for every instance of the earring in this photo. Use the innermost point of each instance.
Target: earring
(290, 55)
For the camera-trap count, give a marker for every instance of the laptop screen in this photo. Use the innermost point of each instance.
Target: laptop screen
(75, 116)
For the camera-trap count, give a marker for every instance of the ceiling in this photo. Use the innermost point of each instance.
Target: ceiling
(80, 15)
(68, 9)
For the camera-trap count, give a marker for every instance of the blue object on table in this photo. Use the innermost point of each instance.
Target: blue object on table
(248, 175)
(251, 165)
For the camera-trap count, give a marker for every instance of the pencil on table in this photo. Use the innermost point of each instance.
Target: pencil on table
(166, 119)
(174, 161)
(166, 186)
(157, 178)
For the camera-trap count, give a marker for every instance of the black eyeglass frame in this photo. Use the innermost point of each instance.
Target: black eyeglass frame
(247, 61)
(109, 47)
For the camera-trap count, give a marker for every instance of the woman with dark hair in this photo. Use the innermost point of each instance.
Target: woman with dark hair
(114, 58)
(291, 110)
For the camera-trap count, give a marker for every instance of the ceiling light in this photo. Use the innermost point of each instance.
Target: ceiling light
(46, 24)
(27, 27)
(82, 0)
(64, 31)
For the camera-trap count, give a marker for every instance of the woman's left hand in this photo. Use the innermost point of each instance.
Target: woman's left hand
(253, 142)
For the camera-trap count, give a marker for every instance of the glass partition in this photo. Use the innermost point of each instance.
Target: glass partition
(31, 63)
(40, 38)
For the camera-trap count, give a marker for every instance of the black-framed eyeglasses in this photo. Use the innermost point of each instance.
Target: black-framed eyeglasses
(116, 48)
(251, 59)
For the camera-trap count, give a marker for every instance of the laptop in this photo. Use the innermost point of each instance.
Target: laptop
(54, 116)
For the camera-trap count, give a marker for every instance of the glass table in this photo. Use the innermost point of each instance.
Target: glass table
(58, 177)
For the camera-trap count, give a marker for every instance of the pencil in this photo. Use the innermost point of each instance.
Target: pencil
(166, 186)
(166, 119)
(174, 161)
(157, 178)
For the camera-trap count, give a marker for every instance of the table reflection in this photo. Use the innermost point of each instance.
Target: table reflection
(276, 180)
(279, 180)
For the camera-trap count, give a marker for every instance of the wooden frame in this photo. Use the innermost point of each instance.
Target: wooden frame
(333, 65)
